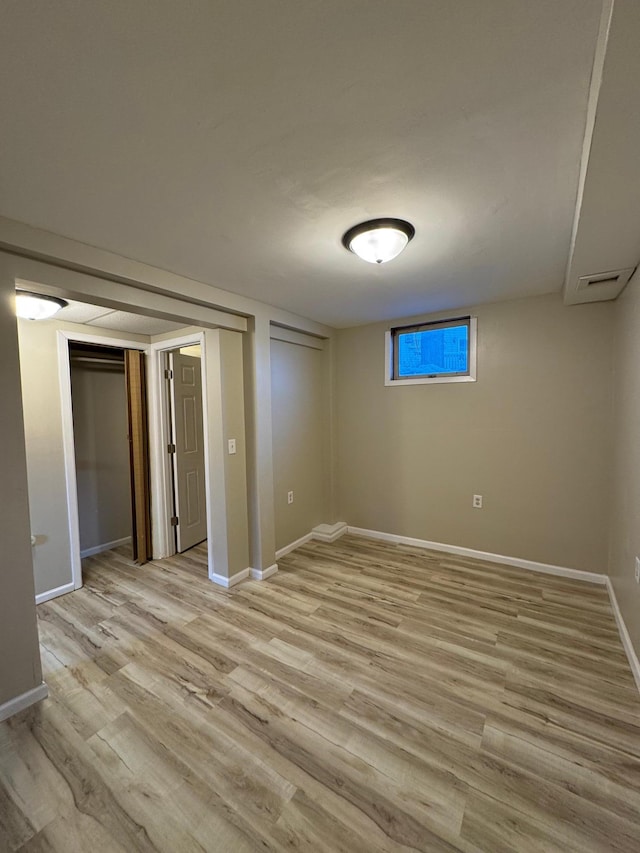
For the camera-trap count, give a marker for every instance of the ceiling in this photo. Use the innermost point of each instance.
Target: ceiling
(118, 321)
(607, 229)
(235, 142)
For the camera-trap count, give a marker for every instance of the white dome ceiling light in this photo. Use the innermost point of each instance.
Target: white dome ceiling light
(37, 306)
(378, 240)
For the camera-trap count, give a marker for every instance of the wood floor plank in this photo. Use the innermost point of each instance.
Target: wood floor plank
(367, 697)
(586, 781)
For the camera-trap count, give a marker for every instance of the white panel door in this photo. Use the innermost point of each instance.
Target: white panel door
(188, 459)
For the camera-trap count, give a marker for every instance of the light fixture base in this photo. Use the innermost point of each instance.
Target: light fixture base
(378, 240)
(37, 306)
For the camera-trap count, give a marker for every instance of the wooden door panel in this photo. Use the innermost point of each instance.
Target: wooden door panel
(139, 454)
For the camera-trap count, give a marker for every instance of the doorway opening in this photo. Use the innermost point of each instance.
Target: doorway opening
(180, 425)
(108, 403)
(183, 374)
(101, 446)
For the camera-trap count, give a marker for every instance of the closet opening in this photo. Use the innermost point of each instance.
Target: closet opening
(110, 438)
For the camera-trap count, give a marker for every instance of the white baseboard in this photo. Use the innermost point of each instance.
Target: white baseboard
(54, 593)
(545, 568)
(329, 532)
(323, 533)
(263, 574)
(19, 703)
(98, 549)
(221, 580)
(293, 545)
(632, 656)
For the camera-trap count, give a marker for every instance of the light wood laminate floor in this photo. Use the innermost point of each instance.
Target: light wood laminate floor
(368, 697)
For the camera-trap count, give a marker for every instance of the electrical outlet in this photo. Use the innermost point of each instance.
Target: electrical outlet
(289, 497)
(637, 569)
(232, 446)
(477, 501)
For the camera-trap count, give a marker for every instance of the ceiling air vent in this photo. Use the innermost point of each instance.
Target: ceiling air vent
(603, 285)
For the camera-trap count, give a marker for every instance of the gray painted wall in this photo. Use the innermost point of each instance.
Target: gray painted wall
(625, 505)
(100, 430)
(532, 435)
(20, 659)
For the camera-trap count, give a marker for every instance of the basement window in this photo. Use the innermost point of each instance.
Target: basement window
(444, 351)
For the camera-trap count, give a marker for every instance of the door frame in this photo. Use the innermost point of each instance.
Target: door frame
(68, 437)
(163, 539)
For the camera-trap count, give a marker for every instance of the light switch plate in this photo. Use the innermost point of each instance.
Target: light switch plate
(232, 446)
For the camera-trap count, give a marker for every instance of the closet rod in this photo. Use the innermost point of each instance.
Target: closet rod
(97, 360)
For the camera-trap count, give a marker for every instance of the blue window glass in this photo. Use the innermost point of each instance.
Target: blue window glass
(433, 351)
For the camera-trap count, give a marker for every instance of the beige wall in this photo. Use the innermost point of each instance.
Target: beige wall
(20, 659)
(45, 450)
(532, 436)
(625, 505)
(227, 496)
(235, 466)
(256, 353)
(100, 429)
(300, 421)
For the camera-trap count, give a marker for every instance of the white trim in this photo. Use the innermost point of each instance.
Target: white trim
(221, 580)
(329, 532)
(435, 380)
(103, 340)
(263, 574)
(293, 545)
(54, 593)
(68, 444)
(162, 537)
(632, 656)
(107, 546)
(66, 406)
(25, 700)
(323, 533)
(177, 342)
(545, 568)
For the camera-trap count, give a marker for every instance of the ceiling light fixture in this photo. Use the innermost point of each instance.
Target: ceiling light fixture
(37, 306)
(379, 240)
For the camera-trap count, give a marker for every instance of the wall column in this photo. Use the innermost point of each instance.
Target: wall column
(262, 533)
(20, 670)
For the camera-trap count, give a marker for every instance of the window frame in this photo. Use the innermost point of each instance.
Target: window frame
(438, 379)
